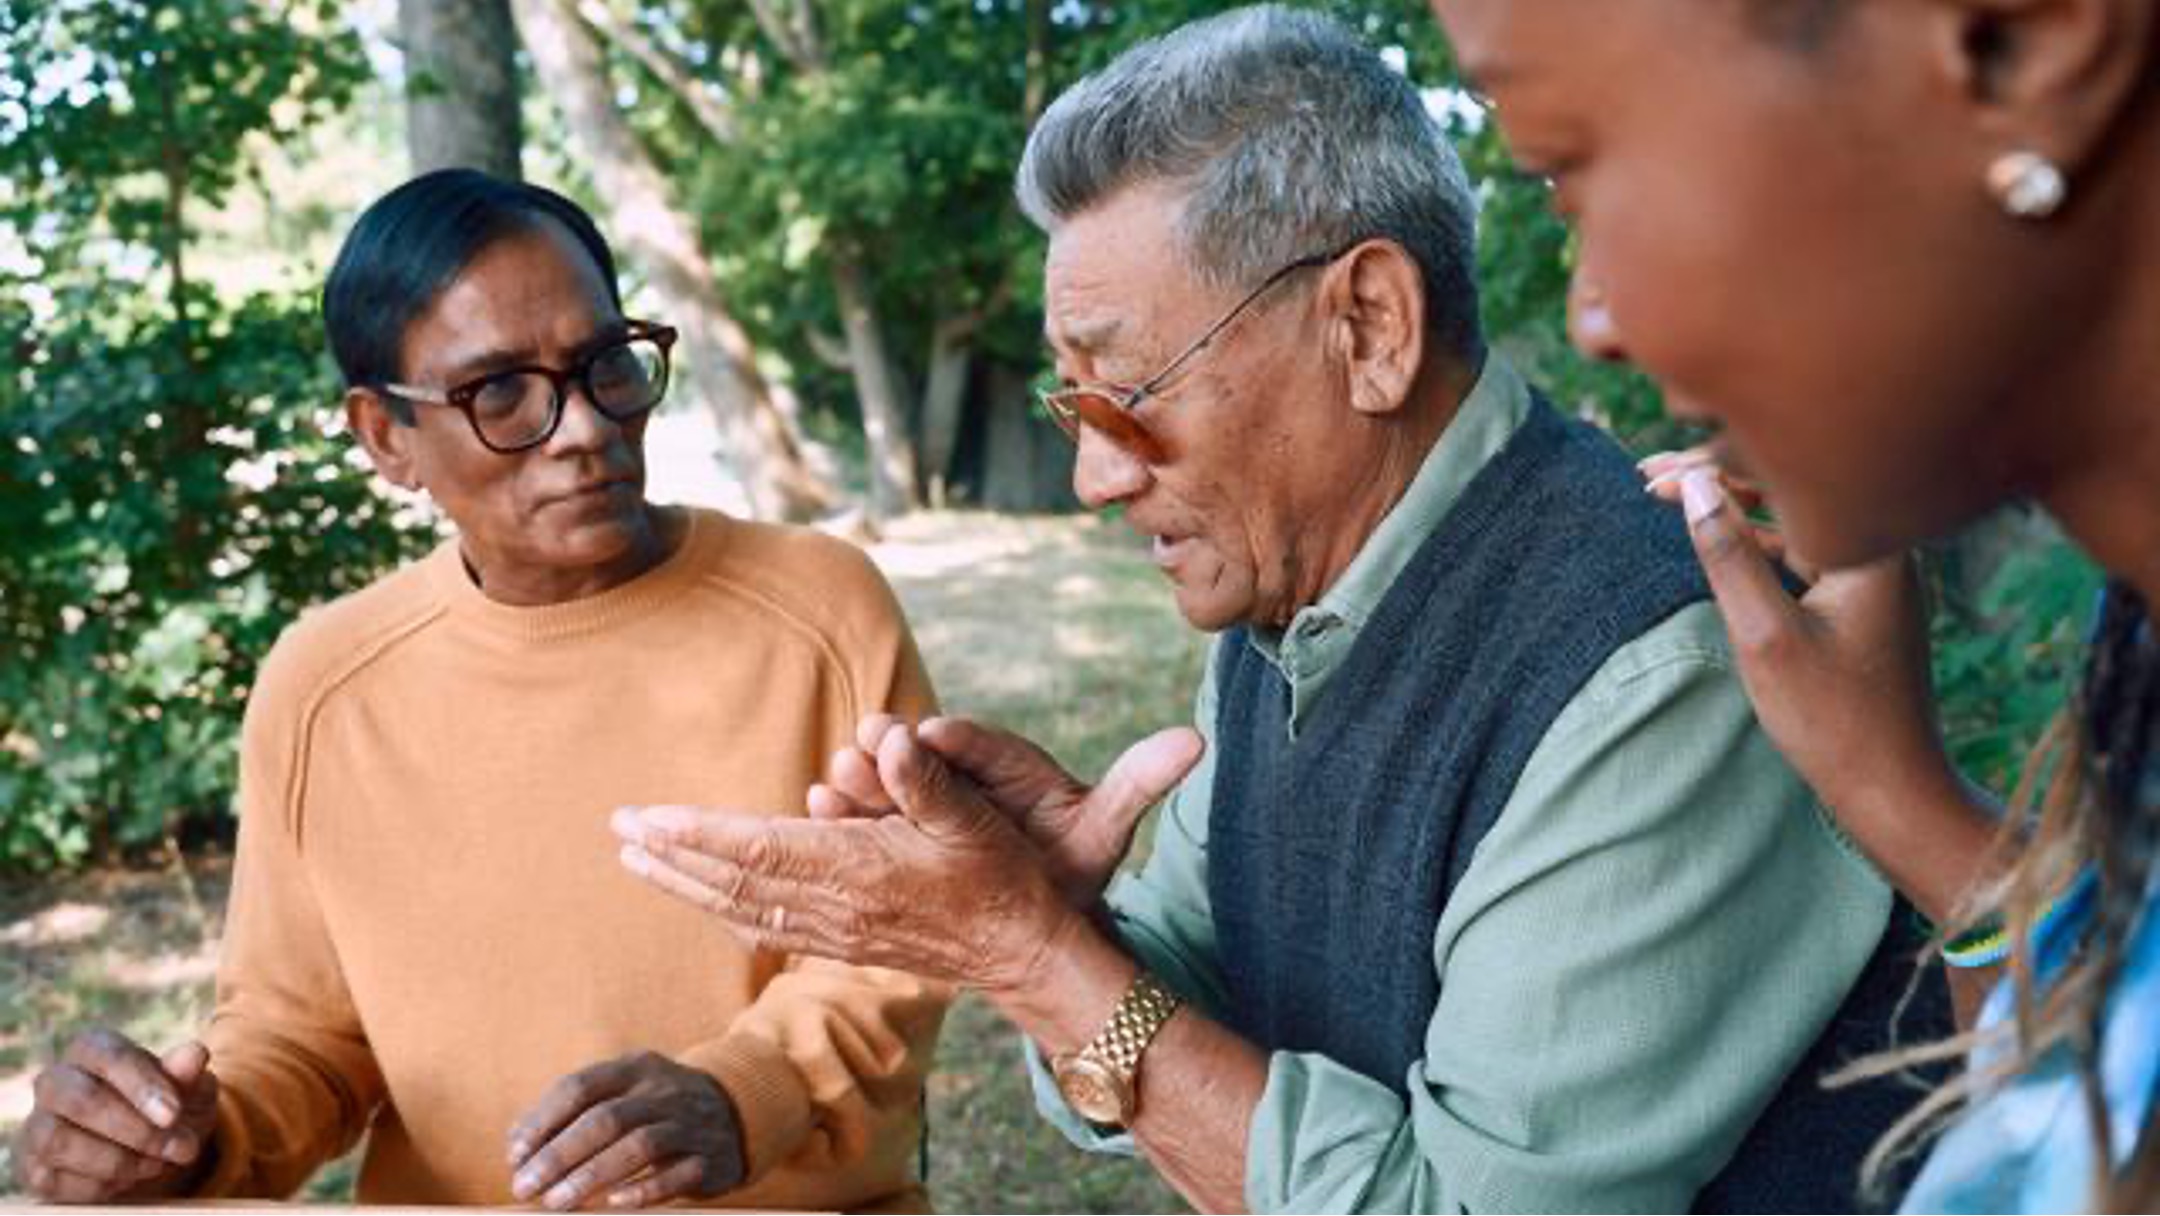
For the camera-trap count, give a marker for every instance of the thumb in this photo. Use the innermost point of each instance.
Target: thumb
(1142, 777)
(927, 790)
(1758, 611)
(1011, 770)
(186, 1063)
(189, 1065)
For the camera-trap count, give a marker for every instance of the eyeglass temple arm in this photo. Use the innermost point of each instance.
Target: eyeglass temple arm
(1214, 331)
(415, 392)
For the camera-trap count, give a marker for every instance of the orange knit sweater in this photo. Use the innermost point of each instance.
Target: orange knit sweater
(428, 924)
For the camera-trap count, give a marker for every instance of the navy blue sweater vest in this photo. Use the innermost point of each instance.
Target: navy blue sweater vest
(1330, 858)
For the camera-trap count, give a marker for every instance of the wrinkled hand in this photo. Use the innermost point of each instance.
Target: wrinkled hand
(945, 887)
(637, 1131)
(1839, 678)
(1082, 832)
(113, 1122)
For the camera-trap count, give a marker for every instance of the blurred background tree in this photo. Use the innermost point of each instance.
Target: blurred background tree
(170, 490)
(818, 191)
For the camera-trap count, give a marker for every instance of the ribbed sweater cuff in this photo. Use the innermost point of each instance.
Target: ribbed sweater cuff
(772, 1103)
(230, 1142)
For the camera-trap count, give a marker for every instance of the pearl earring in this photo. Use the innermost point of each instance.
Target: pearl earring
(2027, 185)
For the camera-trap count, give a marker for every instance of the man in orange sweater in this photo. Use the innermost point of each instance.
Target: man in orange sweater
(429, 939)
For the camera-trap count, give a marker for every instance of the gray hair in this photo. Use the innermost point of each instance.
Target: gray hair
(1288, 136)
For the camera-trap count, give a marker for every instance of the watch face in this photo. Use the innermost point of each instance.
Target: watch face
(1095, 1093)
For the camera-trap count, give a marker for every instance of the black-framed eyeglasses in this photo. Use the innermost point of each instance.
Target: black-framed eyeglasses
(521, 407)
(1109, 408)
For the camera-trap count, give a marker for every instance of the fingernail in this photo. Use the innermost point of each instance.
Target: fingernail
(636, 860)
(1662, 480)
(622, 1199)
(519, 1150)
(525, 1184)
(161, 1110)
(179, 1148)
(1699, 491)
(626, 823)
(563, 1197)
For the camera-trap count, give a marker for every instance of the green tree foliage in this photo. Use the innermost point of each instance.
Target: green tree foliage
(170, 492)
(171, 489)
(2008, 651)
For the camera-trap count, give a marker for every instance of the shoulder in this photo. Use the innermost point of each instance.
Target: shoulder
(1687, 653)
(324, 651)
(1675, 695)
(802, 578)
(331, 643)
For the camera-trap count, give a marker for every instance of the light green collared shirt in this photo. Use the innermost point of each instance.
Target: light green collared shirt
(1657, 928)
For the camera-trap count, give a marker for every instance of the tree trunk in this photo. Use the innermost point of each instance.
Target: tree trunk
(944, 405)
(890, 451)
(719, 363)
(1027, 465)
(461, 85)
(1036, 93)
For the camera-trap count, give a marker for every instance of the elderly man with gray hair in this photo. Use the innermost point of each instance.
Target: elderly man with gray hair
(1480, 887)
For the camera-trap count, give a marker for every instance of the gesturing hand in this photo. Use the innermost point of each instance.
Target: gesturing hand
(1082, 832)
(640, 1130)
(945, 887)
(113, 1122)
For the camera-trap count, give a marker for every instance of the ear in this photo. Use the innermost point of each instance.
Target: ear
(2055, 77)
(386, 434)
(1375, 295)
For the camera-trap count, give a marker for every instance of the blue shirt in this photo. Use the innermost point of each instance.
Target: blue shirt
(2028, 1146)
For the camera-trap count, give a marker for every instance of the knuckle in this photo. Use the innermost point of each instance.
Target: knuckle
(1719, 541)
(1766, 644)
(575, 1089)
(642, 1147)
(734, 884)
(607, 1123)
(70, 1089)
(853, 924)
(761, 853)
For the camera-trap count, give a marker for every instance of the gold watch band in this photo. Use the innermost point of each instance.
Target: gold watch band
(1099, 1081)
(1139, 1015)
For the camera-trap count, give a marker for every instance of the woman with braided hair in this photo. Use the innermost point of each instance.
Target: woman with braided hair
(1905, 256)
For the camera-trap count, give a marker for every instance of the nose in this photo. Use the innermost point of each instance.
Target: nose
(583, 427)
(1104, 473)
(1590, 320)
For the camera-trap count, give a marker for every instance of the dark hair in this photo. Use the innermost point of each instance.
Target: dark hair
(412, 243)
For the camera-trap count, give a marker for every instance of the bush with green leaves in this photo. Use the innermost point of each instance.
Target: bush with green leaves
(172, 493)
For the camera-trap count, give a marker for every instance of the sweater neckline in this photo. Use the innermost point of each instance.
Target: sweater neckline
(591, 614)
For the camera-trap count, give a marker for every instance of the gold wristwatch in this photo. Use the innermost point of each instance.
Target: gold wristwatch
(1098, 1081)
